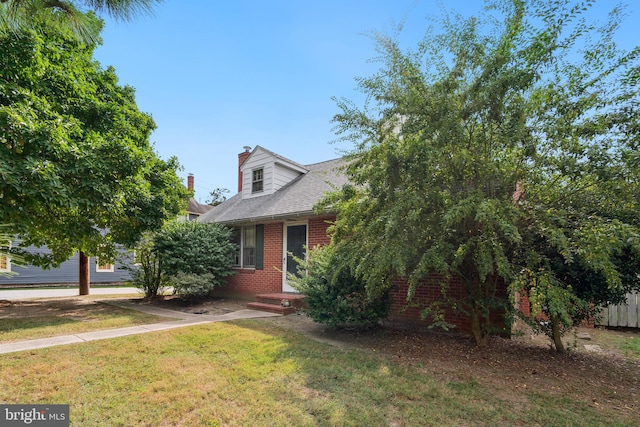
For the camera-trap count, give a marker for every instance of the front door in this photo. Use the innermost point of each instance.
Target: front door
(295, 241)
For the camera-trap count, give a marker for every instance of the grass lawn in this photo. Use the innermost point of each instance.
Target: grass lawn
(48, 318)
(256, 373)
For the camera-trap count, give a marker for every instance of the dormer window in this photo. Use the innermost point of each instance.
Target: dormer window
(257, 180)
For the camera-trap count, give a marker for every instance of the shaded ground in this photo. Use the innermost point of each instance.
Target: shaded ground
(513, 368)
(66, 307)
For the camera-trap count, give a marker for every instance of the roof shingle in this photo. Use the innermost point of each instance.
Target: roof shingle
(297, 198)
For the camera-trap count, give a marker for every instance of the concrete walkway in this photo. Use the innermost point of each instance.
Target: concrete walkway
(14, 294)
(184, 319)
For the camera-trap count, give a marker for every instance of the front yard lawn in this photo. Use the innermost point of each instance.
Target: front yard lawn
(32, 319)
(260, 373)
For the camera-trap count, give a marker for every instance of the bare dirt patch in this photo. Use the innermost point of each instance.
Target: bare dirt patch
(216, 306)
(63, 307)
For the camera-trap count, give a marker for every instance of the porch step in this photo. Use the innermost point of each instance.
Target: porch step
(273, 303)
(271, 308)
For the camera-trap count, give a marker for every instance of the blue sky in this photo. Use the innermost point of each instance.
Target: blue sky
(217, 76)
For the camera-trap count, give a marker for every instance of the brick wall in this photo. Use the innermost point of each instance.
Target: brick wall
(428, 291)
(317, 231)
(247, 282)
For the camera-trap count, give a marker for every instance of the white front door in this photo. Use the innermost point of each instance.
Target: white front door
(295, 242)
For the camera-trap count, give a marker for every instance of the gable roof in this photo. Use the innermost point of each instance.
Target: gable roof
(196, 207)
(283, 160)
(297, 198)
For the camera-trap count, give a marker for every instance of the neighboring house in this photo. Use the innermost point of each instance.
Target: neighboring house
(67, 273)
(194, 208)
(5, 264)
(272, 215)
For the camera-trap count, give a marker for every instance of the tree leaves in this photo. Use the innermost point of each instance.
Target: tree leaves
(77, 170)
(500, 148)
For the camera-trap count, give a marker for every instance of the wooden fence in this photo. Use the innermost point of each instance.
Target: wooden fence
(625, 315)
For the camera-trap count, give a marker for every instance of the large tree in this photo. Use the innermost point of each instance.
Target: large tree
(21, 14)
(490, 146)
(77, 170)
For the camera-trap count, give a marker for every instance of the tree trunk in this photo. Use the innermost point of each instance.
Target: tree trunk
(84, 274)
(557, 336)
(479, 335)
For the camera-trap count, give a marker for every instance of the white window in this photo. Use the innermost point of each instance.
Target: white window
(5, 264)
(245, 239)
(257, 180)
(104, 268)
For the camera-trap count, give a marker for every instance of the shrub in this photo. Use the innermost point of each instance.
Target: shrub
(192, 287)
(190, 249)
(333, 295)
(147, 274)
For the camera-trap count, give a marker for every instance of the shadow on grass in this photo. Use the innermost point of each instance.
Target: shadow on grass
(30, 319)
(258, 373)
(333, 386)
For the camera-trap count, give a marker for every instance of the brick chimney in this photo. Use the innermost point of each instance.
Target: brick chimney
(241, 158)
(190, 182)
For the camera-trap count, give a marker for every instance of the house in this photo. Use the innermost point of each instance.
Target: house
(68, 271)
(194, 208)
(272, 215)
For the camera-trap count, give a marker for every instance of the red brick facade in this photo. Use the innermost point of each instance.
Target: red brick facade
(428, 291)
(247, 283)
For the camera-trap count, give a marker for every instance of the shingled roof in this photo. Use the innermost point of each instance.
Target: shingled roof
(296, 199)
(196, 207)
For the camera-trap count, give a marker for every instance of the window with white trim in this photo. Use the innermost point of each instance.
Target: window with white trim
(5, 264)
(104, 268)
(257, 180)
(245, 254)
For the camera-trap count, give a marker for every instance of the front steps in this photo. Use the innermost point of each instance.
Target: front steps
(276, 303)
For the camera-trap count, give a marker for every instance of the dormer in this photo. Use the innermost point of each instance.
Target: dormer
(263, 172)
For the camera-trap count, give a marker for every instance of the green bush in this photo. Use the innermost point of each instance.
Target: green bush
(333, 295)
(146, 274)
(192, 287)
(187, 250)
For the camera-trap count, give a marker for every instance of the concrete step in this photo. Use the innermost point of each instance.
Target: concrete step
(295, 300)
(272, 308)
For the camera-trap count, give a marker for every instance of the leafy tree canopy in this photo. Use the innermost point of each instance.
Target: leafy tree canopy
(491, 151)
(77, 170)
(29, 14)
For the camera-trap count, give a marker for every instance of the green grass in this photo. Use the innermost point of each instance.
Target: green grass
(253, 373)
(86, 317)
(632, 347)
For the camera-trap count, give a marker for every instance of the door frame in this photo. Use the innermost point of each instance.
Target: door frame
(285, 286)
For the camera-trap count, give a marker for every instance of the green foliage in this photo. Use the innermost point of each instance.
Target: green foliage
(493, 151)
(16, 15)
(78, 171)
(192, 287)
(632, 345)
(333, 295)
(187, 250)
(147, 274)
(217, 196)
